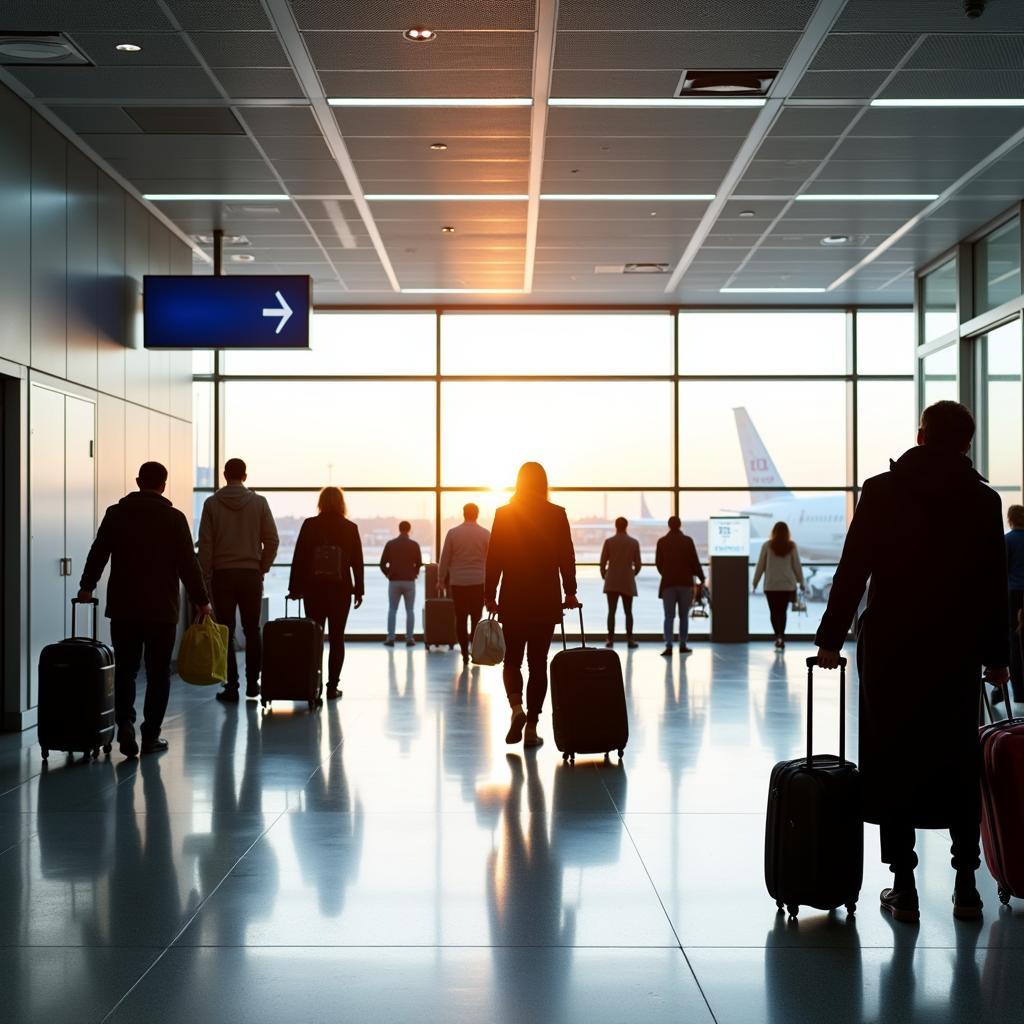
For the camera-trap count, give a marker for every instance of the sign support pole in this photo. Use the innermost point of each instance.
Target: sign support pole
(218, 252)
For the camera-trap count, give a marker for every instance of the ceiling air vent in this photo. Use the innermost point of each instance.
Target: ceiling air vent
(35, 49)
(723, 84)
(645, 268)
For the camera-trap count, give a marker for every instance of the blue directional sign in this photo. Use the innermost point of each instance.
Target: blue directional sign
(254, 311)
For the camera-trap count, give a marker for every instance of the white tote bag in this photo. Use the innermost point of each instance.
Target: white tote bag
(488, 642)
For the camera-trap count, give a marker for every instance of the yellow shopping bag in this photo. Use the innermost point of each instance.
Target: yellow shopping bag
(203, 656)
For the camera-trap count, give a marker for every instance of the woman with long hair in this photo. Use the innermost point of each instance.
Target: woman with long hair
(779, 564)
(532, 559)
(327, 572)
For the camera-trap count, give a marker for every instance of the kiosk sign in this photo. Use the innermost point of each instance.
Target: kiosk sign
(729, 535)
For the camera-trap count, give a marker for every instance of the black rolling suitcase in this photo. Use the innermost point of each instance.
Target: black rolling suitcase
(76, 692)
(814, 835)
(293, 652)
(588, 700)
(438, 613)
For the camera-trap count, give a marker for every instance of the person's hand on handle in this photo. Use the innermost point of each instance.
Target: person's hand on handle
(85, 596)
(998, 675)
(205, 609)
(571, 602)
(358, 601)
(828, 659)
(491, 605)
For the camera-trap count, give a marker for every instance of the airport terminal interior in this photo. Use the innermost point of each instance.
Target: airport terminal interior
(697, 260)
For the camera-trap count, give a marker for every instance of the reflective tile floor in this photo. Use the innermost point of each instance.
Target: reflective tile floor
(388, 859)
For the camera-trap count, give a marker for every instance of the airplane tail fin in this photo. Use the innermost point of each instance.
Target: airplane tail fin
(645, 512)
(760, 467)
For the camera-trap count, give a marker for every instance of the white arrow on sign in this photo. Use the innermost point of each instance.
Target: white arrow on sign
(284, 312)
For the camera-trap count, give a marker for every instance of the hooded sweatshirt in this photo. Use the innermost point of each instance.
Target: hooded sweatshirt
(237, 531)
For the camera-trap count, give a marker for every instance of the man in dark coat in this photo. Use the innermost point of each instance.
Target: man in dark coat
(928, 535)
(149, 546)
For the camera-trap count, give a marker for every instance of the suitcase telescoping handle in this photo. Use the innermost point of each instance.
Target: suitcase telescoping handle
(95, 616)
(298, 601)
(811, 664)
(986, 705)
(583, 635)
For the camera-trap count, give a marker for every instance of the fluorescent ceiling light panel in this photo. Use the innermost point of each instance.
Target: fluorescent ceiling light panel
(463, 291)
(427, 101)
(1018, 102)
(654, 101)
(173, 197)
(770, 291)
(866, 197)
(665, 197)
(431, 197)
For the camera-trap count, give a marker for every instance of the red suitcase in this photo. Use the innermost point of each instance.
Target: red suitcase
(1002, 797)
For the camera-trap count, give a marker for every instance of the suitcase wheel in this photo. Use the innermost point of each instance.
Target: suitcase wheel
(107, 747)
(621, 752)
(780, 904)
(792, 910)
(851, 908)
(95, 753)
(44, 753)
(1004, 895)
(451, 647)
(312, 704)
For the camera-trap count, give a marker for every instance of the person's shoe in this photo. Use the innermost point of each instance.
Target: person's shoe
(155, 745)
(410, 643)
(389, 643)
(667, 653)
(632, 645)
(685, 650)
(228, 696)
(967, 904)
(465, 657)
(531, 739)
(903, 906)
(515, 730)
(126, 740)
(609, 643)
(252, 691)
(333, 693)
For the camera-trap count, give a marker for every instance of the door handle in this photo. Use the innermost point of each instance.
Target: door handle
(65, 567)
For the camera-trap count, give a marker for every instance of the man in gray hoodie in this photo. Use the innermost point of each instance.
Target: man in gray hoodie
(237, 546)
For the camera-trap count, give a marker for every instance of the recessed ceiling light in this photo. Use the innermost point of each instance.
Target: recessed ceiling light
(770, 291)
(866, 197)
(128, 48)
(653, 213)
(667, 197)
(439, 147)
(747, 213)
(651, 101)
(426, 101)
(243, 257)
(175, 197)
(412, 197)
(462, 291)
(1012, 102)
(226, 240)
(420, 35)
(835, 240)
(730, 83)
(448, 229)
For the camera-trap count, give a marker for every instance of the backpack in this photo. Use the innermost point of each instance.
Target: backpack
(329, 562)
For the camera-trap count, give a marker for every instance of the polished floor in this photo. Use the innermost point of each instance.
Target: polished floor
(388, 859)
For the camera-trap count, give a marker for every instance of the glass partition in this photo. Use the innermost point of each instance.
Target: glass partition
(938, 297)
(997, 267)
(1001, 433)
(939, 379)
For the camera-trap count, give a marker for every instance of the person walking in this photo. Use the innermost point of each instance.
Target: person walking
(237, 545)
(532, 559)
(620, 565)
(327, 573)
(1015, 573)
(926, 533)
(401, 562)
(682, 577)
(149, 546)
(463, 570)
(779, 564)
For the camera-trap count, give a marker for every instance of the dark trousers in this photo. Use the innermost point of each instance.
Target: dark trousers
(331, 611)
(132, 641)
(778, 605)
(240, 592)
(627, 607)
(533, 640)
(897, 842)
(1016, 662)
(469, 604)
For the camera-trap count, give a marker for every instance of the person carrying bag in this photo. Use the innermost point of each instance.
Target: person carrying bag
(203, 655)
(488, 642)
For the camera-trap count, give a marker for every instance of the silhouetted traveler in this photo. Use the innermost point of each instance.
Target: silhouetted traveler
(237, 546)
(779, 564)
(400, 562)
(620, 564)
(1015, 573)
(327, 573)
(928, 535)
(532, 557)
(463, 569)
(149, 546)
(682, 576)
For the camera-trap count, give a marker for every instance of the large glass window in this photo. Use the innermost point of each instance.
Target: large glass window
(939, 376)
(938, 294)
(997, 267)
(885, 343)
(1002, 435)
(886, 424)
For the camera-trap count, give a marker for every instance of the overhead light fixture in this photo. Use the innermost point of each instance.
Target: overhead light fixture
(645, 268)
(835, 240)
(651, 101)
(128, 48)
(462, 291)
(770, 291)
(39, 48)
(427, 101)
(420, 35)
(216, 197)
(438, 147)
(243, 257)
(1012, 102)
(865, 197)
(747, 213)
(413, 197)
(642, 197)
(226, 240)
(448, 229)
(733, 83)
(653, 213)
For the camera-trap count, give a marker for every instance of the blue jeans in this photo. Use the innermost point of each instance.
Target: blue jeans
(672, 597)
(402, 590)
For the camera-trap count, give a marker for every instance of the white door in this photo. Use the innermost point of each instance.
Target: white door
(46, 525)
(79, 496)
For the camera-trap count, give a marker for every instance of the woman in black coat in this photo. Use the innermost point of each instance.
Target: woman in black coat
(327, 572)
(532, 557)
